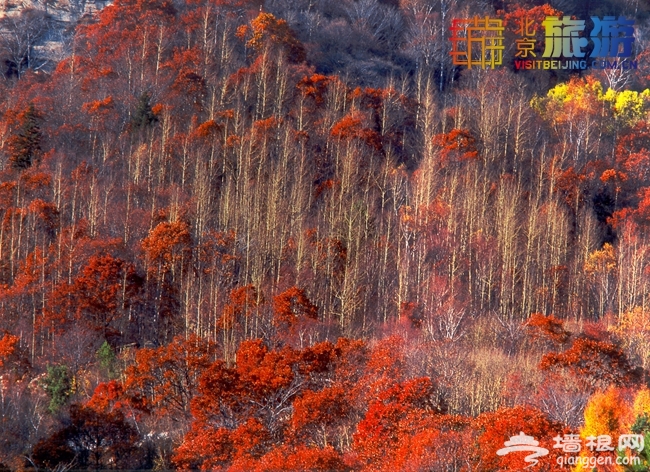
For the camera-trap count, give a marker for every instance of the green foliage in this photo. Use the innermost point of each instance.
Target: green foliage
(144, 116)
(58, 385)
(107, 359)
(640, 426)
(25, 146)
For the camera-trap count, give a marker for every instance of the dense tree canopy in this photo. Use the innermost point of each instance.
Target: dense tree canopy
(247, 235)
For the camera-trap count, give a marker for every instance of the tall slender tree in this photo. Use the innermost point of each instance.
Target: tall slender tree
(25, 146)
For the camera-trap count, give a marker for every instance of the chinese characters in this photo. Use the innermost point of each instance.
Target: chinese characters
(572, 444)
(480, 42)
(477, 42)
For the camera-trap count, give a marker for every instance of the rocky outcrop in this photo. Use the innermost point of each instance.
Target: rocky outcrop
(36, 34)
(64, 11)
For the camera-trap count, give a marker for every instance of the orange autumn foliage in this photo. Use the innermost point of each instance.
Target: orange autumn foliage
(166, 379)
(456, 144)
(292, 305)
(592, 363)
(497, 427)
(547, 328)
(351, 127)
(267, 29)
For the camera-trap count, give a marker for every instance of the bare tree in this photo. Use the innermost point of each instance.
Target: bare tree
(19, 34)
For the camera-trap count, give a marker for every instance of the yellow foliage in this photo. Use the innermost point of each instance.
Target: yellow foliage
(576, 91)
(565, 99)
(635, 321)
(633, 327)
(641, 403)
(629, 106)
(568, 100)
(602, 261)
(610, 95)
(607, 413)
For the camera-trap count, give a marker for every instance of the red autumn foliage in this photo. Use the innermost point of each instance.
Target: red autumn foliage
(314, 86)
(457, 144)
(225, 232)
(165, 380)
(13, 358)
(104, 290)
(266, 29)
(592, 363)
(498, 427)
(400, 411)
(547, 328)
(167, 245)
(108, 396)
(351, 126)
(292, 305)
(513, 19)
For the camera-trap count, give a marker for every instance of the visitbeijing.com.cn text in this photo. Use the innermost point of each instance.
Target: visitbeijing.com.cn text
(593, 461)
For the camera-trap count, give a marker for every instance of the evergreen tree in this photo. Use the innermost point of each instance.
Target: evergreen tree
(640, 426)
(144, 115)
(107, 359)
(59, 386)
(25, 146)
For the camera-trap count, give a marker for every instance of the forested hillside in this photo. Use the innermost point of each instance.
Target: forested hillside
(293, 235)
